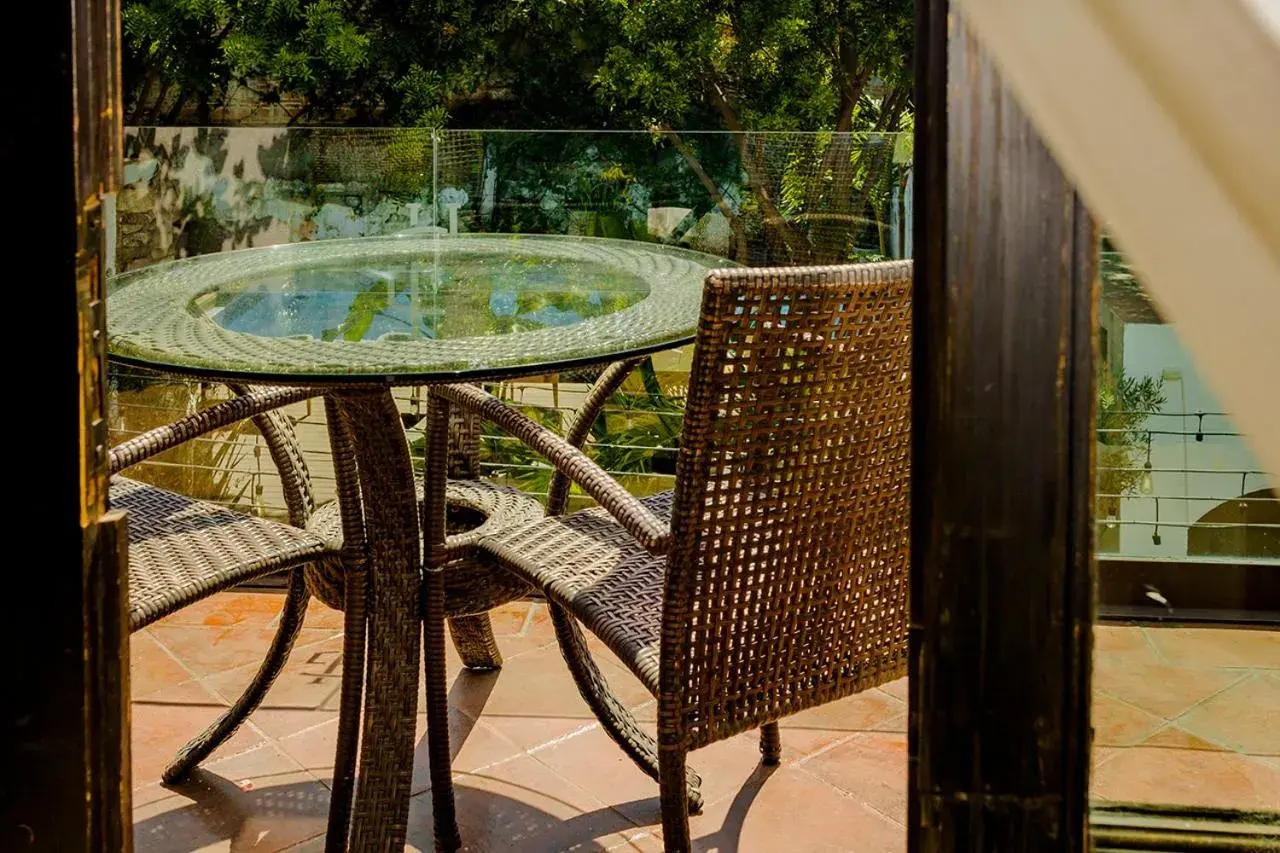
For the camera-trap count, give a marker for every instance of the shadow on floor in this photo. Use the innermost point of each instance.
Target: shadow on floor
(256, 815)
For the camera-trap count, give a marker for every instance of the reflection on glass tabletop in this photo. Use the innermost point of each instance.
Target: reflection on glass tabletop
(406, 308)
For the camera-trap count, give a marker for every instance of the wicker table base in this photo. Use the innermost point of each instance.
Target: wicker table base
(383, 554)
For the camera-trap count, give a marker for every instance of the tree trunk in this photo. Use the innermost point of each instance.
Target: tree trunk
(735, 220)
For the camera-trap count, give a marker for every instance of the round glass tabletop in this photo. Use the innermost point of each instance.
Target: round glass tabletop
(407, 308)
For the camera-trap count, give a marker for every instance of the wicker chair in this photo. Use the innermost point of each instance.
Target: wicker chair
(182, 550)
(774, 577)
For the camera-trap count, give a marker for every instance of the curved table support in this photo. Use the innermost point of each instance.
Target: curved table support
(473, 638)
(439, 755)
(376, 458)
(472, 635)
(617, 721)
(354, 597)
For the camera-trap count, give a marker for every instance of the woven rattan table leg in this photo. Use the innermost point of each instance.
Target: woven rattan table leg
(613, 715)
(350, 702)
(383, 785)
(474, 640)
(472, 635)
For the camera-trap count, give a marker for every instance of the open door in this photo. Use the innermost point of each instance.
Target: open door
(67, 712)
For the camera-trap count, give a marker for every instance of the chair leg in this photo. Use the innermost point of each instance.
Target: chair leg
(439, 757)
(349, 706)
(438, 752)
(613, 716)
(200, 747)
(675, 806)
(770, 744)
(473, 638)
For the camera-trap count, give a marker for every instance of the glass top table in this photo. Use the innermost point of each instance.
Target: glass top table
(406, 309)
(352, 319)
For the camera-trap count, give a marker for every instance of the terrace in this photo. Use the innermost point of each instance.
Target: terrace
(459, 484)
(1182, 715)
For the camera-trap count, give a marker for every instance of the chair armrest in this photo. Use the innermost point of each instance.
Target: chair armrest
(151, 442)
(634, 516)
(601, 392)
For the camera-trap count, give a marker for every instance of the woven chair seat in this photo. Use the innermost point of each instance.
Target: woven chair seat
(182, 550)
(474, 583)
(591, 565)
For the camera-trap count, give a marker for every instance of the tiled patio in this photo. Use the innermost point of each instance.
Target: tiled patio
(1182, 715)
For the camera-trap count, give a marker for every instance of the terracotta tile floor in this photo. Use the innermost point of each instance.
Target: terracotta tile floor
(1182, 715)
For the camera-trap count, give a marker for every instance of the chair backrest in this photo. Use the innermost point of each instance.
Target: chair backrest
(787, 579)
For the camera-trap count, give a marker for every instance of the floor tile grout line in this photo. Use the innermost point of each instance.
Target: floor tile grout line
(1146, 631)
(1131, 705)
(172, 654)
(631, 840)
(848, 795)
(1240, 678)
(299, 845)
(308, 729)
(901, 824)
(1114, 753)
(248, 722)
(1172, 725)
(1151, 644)
(805, 759)
(527, 625)
(564, 738)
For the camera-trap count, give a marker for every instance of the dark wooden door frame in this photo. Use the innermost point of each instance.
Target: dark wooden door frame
(66, 700)
(1002, 575)
(1002, 595)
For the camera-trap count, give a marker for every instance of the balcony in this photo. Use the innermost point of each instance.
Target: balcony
(1182, 715)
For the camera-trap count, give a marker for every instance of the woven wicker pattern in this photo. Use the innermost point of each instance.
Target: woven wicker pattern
(148, 444)
(787, 580)
(181, 550)
(592, 565)
(474, 583)
(464, 446)
(630, 513)
(151, 320)
(784, 584)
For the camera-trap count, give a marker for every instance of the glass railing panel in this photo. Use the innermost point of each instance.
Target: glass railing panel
(752, 198)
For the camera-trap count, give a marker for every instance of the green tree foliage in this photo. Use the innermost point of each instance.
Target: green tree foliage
(1124, 404)
(760, 64)
(726, 64)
